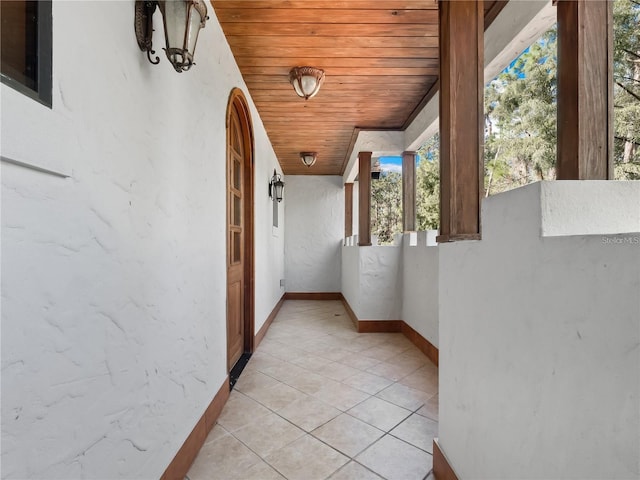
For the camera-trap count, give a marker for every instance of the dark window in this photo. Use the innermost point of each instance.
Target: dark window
(275, 210)
(26, 47)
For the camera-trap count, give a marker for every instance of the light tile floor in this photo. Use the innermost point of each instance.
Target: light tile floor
(319, 401)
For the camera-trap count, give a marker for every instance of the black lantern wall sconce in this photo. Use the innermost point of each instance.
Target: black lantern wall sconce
(276, 186)
(182, 21)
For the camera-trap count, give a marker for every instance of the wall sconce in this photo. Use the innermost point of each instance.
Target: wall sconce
(308, 158)
(182, 21)
(276, 186)
(306, 81)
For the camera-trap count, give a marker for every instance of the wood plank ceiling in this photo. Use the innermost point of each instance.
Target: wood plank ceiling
(380, 59)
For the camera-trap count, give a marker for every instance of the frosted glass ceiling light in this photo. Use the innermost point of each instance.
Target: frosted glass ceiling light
(308, 158)
(306, 81)
(182, 20)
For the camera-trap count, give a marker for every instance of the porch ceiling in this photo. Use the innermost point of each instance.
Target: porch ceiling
(380, 59)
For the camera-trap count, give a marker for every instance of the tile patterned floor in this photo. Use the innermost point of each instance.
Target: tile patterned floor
(320, 401)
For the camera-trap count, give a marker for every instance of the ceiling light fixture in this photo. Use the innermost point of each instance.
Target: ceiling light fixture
(308, 158)
(182, 21)
(306, 81)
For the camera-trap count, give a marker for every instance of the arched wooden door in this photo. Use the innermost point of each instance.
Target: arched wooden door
(240, 296)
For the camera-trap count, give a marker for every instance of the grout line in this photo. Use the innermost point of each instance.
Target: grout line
(409, 443)
(294, 324)
(364, 466)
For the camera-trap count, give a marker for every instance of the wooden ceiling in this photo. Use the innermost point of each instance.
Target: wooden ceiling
(380, 59)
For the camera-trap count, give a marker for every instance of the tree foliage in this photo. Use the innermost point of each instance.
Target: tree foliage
(626, 67)
(386, 206)
(428, 185)
(520, 109)
(520, 119)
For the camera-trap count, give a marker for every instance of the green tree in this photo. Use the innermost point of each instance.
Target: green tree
(386, 206)
(626, 67)
(520, 119)
(520, 109)
(428, 185)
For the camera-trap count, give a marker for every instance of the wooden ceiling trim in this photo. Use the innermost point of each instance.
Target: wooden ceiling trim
(338, 16)
(327, 29)
(360, 122)
(335, 109)
(329, 4)
(305, 136)
(356, 117)
(491, 11)
(284, 64)
(276, 80)
(352, 144)
(271, 41)
(426, 99)
(338, 96)
(341, 88)
(391, 71)
(341, 52)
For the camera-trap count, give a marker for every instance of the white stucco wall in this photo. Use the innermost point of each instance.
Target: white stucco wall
(314, 215)
(540, 339)
(420, 286)
(113, 280)
(372, 281)
(398, 282)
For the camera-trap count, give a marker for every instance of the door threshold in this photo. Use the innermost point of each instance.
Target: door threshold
(237, 369)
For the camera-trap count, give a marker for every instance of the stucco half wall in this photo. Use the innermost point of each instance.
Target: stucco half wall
(540, 336)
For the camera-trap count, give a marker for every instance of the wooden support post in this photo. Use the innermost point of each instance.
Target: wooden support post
(348, 209)
(364, 199)
(585, 89)
(409, 191)
(461, 118)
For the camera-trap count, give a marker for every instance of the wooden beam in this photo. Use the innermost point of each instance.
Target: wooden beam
(409, 191)
(364, 199)
(585, 90)
(461, 118)
(348, 209)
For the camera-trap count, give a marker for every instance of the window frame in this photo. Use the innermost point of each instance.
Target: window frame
(44, 92)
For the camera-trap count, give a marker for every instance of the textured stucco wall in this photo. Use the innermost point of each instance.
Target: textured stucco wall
(380, 283)
(540, 340)
(420, 286)
(614, 207)
(113, 280)
(314, 215)
(371, 281)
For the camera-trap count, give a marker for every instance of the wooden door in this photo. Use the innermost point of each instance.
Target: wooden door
(235, 238)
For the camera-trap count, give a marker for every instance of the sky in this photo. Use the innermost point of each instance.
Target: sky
(391, 164)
